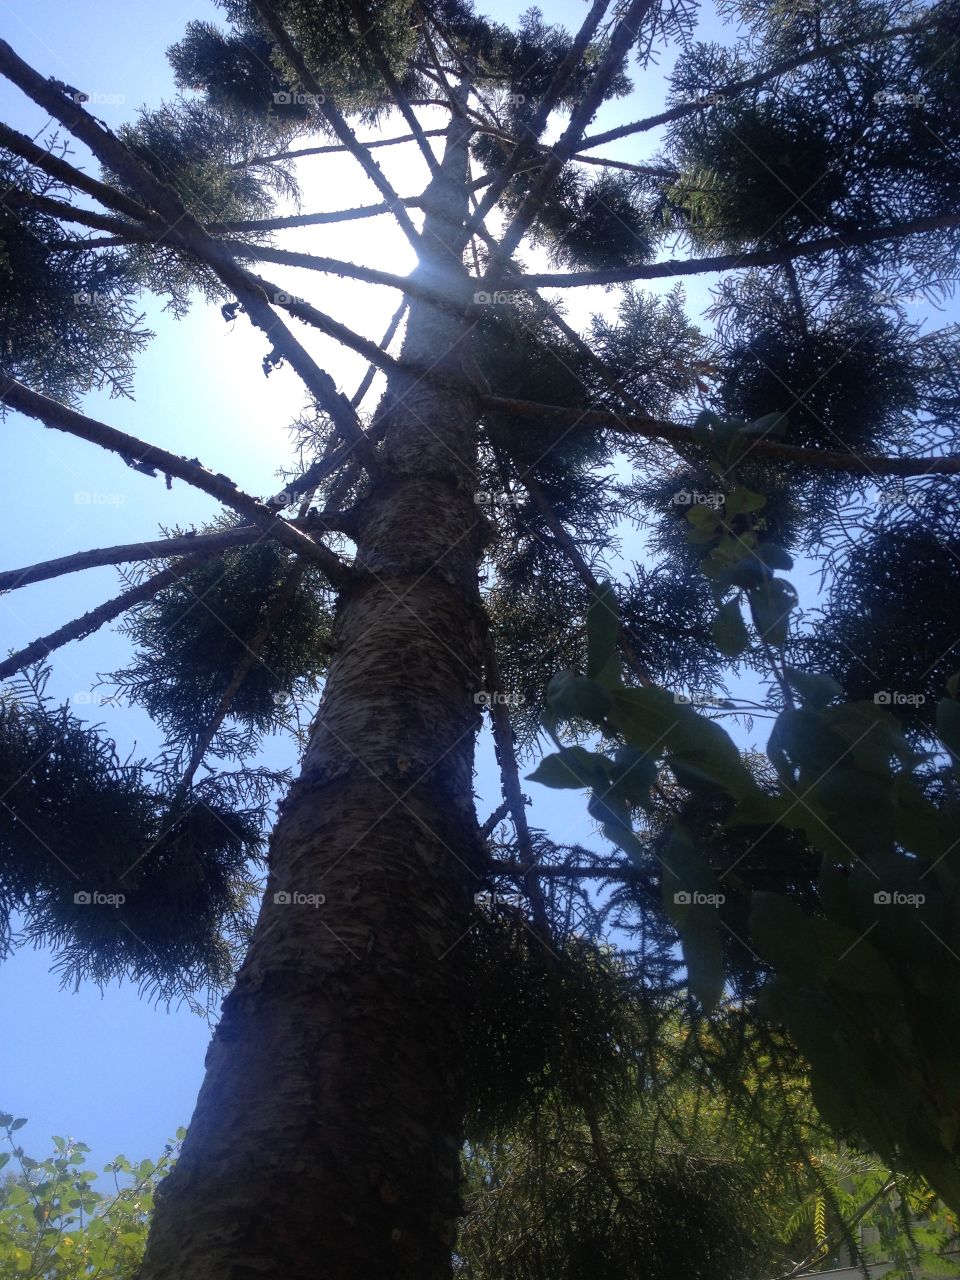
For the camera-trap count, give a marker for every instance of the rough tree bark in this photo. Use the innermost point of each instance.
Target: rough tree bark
(326, 1137)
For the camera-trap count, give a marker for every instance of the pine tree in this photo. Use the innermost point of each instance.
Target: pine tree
(815, 162)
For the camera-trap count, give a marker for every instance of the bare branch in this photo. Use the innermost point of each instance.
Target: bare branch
(195, 545)
(495, 818)
(185, 230)
(301, 152)
(15, 199)
(92, 621)
(615, 871)
(584, 572)
(370, 38)
(58, 417)
(309, 219)
(65, 173)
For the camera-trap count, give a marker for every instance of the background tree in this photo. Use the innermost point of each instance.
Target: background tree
(814, 159)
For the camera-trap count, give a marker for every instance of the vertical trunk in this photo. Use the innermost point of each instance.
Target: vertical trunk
(326, 1137)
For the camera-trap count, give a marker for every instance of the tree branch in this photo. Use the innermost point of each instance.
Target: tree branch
(15, 199)
(728, 261)
(92, 621)
(195, 545)
(623, 37)
(735, 87)
(370, 38)
(510, 784)
(300, 152)
(63, 172)
(185, 230)
(652, 429)
(334, 119)
(59, 418)
(585, 573)
(527, 147)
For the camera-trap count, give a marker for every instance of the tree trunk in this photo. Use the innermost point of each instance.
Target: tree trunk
(325, 1141)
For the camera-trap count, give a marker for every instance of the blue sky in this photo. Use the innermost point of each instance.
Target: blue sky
(107, 1067)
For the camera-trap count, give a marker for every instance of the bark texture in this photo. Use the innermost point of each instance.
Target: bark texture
(325, 1142)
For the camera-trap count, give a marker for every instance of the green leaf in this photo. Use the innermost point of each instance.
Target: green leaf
(703, 428)
(729, 630)
(773, 556)
(703, 955)
(850, 960)
(603, 626)
(742, 500)
(771, 424)
(770, 607)
(815, 689)
(782, 933)
(572, 767)
(18, 1124)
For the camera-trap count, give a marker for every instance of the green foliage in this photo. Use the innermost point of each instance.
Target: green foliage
(57, 1224)
(236, 72)
(117, 875)
(191, 637)
(330, 39)
(861, 981)
(68, 320)
(872, 636)
(551, 1040)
